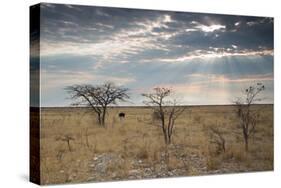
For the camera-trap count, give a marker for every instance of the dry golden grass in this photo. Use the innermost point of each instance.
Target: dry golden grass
(137, 144)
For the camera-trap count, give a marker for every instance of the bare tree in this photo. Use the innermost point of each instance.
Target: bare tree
(248, 117)
(98, 97)
(217, 138)
(166, 108)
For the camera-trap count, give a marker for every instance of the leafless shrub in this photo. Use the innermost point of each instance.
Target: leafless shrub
(217, 138)
(165, 108)
(67, 139)
(213, 163)
(197, 119)
(125, 146)
(143, 153)
(247, 116)
(60, 154)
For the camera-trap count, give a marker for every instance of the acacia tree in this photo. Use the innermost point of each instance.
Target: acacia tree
(247, 116)
(166, 108)
(98, 97)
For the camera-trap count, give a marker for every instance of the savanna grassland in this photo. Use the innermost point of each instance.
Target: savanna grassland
(74, 148)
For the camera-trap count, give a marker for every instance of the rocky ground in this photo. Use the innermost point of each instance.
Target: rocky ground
(112, 166)
(192, 164)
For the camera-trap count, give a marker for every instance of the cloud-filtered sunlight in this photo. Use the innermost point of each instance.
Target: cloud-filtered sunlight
(205, 58)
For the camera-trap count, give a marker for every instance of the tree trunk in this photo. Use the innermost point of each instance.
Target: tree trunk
(246, 136)
(169, 139)
(223, 146)
(103, 116)
(246, 144)
(246, 140)
(165, 137)
(99, 119)
(164, 130)
(170, 133)
(87, 139)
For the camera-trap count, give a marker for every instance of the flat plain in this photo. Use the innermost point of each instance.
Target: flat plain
(74, 148)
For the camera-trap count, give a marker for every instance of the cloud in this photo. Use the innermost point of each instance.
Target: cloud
(215, 78)
(210, 28)
(259, 21)
(119, 44)
(215, 53)
(143, 48)
(217, 89)
(195, 82)
(237, 23)
(67, 30)
(60, 79)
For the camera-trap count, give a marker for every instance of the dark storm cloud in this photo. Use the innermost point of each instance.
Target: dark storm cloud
(172, 33)
(87, 22)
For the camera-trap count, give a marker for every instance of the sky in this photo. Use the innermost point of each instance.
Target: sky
(206, 59)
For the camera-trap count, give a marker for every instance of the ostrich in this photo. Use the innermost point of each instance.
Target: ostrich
(121, 115)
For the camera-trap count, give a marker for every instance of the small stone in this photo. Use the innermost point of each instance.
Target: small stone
(113, 175)
(70, 178)
(91, 178)
(170, 173)
(133, 172)
(96, 158)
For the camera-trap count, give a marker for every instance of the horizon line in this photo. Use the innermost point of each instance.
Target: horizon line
(124, 106)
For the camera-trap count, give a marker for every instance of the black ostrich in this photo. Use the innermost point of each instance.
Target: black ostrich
(121, 115)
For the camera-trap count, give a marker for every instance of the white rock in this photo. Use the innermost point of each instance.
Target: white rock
(96, 158)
